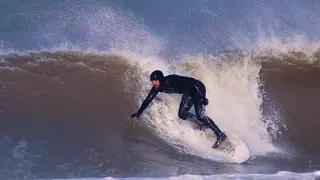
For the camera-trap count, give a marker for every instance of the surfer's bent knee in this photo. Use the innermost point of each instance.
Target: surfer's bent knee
(183, 115)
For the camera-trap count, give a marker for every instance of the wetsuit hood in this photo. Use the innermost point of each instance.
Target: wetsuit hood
(157, 75)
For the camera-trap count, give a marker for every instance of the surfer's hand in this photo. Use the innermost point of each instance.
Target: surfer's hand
(135, 115)
(205, 101)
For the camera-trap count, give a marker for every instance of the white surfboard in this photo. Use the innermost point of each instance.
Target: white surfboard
(233, 147)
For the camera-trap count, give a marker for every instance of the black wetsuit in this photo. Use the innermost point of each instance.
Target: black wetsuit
(193, 93)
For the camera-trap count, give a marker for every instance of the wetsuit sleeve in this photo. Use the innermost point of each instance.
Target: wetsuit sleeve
(152, 94)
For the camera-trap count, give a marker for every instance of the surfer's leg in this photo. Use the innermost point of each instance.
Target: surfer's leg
(185, 106)
(200, 109)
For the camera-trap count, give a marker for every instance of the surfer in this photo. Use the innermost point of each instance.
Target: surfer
(193, 93)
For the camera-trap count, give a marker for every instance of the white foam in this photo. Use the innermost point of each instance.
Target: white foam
(13, 69)
(4, 49)
(272, 30)
(232, 89)
(273, 46)
(233, 92)
(276, 176)
(102, 28)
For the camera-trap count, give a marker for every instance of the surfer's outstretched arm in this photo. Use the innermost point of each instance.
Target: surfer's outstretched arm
(152, 94)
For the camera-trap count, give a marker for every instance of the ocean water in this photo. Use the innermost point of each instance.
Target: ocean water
(72, 72)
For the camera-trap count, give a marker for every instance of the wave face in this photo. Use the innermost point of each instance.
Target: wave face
(66, 114)
(291, 84)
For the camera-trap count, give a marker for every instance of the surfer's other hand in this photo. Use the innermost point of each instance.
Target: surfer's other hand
(135, 115)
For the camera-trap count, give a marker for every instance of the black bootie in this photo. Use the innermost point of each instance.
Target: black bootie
(220, 135)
